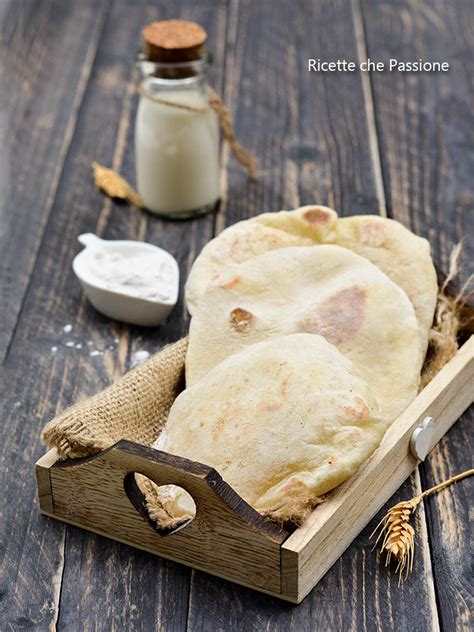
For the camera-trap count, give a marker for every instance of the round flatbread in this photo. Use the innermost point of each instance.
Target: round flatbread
(283, 421)
(403, 256)
(325, 290)
(270, 231)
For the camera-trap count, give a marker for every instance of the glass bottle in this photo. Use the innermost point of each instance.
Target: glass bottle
(176, 139)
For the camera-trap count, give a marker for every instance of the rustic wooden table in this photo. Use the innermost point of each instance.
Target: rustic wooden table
(398, 144)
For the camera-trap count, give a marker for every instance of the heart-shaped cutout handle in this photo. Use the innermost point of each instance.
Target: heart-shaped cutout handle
(153, 503)
(420, 442)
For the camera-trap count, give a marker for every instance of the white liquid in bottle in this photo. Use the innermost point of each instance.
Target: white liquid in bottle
(177, 153)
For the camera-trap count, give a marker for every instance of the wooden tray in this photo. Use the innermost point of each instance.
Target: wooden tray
(227, 537)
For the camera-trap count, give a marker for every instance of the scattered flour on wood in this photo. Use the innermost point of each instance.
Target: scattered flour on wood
(90, 345)
(138, 357)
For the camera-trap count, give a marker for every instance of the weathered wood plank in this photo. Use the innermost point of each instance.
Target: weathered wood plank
(47, 49)
(31, 554)
(449, 524)
(134, 589)
(444, 399)
(424, 119)
(427, 166)
(316, 145)
(139, 591)
(79, 576)
(357, 594)
(99, 495)
(311, 140)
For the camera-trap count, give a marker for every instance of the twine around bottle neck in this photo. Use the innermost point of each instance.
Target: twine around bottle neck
(243, 155)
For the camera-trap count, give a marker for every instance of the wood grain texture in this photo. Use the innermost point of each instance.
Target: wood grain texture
(449, 525)
(104, 132)
(312, 548)
(424, 119)
(167, 583)
(47, 49)
(43, 480)
(357, 594)
(32, 549)
(426, 137)
(315, 144)
(311, 141)
(39, 381)
(226, 537)
(309, 135)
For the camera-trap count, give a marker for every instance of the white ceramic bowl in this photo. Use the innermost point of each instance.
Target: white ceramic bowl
(118, 305)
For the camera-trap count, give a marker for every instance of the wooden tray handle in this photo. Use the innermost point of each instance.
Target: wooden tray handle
(226, 537)
(216, 502)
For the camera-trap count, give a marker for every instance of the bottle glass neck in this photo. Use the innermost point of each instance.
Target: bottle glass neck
(188, 74)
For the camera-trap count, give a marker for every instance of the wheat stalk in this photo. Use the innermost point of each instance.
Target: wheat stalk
(452, 314)
(398, 535)
(114, 186)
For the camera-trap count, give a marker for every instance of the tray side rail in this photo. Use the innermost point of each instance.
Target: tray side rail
(311, 550)
(226, 537)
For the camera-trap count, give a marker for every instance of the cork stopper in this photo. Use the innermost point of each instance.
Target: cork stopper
(173, 41)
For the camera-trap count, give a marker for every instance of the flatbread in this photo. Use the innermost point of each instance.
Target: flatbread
(326, 290)
(283, 421)
(256, 236)
(402, 255)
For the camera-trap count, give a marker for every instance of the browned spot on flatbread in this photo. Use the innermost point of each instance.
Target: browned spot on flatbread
(359, 409)
(339, 318)
(317, 215)
(240, 319)
(284, 386)
(232, 282)
(294, 485)
(354, 436)
(218, 428)
(372, 232)
(270, 406)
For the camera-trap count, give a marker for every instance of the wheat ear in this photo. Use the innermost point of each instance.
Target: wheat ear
(114, 186)
(398, 535)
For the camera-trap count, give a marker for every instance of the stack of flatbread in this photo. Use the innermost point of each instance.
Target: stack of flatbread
(307, 339)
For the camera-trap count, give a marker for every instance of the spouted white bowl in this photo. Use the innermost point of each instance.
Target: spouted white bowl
(117, 304)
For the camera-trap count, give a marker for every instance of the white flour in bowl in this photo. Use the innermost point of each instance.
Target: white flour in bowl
(146, 275)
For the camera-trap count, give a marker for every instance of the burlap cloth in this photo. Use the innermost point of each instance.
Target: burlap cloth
(135, 407)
